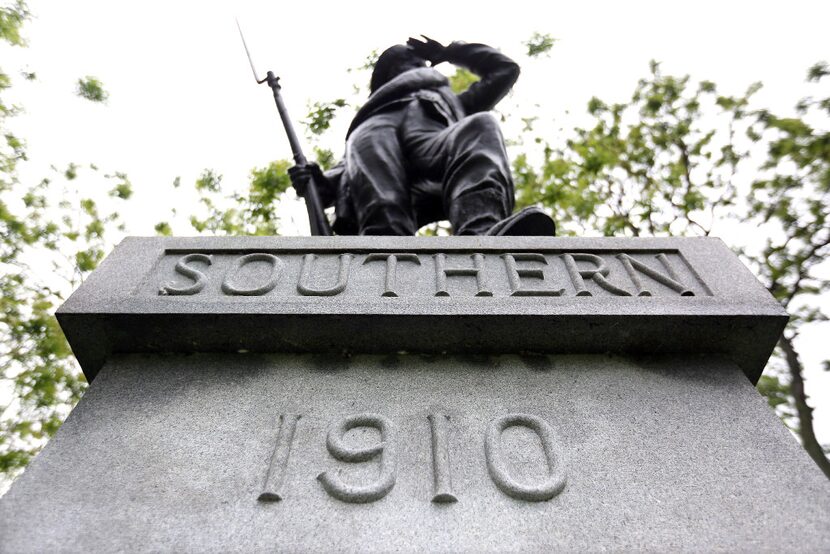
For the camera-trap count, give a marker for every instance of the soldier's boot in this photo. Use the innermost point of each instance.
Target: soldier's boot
(529, 222)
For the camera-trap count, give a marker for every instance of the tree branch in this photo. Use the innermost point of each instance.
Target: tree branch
(805, 412)
(804, 269)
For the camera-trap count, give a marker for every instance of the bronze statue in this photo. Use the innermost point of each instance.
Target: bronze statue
(417, 153)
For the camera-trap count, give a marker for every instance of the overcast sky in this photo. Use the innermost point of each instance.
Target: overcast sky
(182, 96)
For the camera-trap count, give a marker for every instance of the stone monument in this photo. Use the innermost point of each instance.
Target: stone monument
(393, 393)
(419, 394)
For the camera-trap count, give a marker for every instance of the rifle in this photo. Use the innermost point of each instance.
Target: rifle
(317, 220)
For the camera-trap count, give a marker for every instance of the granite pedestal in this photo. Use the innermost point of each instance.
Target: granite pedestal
(403, 394)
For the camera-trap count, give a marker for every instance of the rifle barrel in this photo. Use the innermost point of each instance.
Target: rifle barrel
(296, 149)
(316, 215)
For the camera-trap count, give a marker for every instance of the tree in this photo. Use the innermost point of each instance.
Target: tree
(51, 236)
(792, 196)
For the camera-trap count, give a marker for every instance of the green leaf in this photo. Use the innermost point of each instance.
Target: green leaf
(539, 44)
(92, 89)
(122, 190)
(209, 181)
(818, 71)
(462, 79)
(12, 18)
(320, 115)
(87, 260)
(163, 228)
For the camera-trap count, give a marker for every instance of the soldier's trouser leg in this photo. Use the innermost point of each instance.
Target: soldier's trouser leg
(470, 160)
(377, 178)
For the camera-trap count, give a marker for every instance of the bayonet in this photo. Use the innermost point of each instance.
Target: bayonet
(248, 53)
(317, 220)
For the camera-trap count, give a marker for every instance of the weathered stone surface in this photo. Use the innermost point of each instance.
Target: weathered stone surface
(410, 394)
(434, 295)
(170, 453)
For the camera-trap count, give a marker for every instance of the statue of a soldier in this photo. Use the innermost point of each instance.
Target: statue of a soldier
(417, 153)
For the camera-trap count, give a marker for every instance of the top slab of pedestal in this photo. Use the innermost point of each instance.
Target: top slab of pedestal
(334, 294)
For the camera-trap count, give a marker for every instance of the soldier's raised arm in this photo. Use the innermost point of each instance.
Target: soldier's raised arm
(498, 72)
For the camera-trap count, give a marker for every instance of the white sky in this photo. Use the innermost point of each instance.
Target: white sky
(182, 97)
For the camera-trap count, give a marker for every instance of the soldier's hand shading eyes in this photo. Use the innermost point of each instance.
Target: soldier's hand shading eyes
(428, 49)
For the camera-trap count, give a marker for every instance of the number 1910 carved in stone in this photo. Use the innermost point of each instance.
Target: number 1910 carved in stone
(340, 488)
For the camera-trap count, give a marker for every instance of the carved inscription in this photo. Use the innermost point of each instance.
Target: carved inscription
(634, 267)
(477, 271)
(390, 285)
(442, 482)
(598, 274)
(496, 465)
(276, 267)
(385, 450)
(183, 267)
(407, 275)
(338, 287)
(515, 274)
(273, 491)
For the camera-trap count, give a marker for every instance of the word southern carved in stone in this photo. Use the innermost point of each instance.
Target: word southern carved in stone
(385, 451)
(456, 274)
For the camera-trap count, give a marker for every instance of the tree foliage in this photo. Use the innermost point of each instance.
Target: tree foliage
(462, 79)
(12, 18)
(790, 200)
(235, 213)
(654, 165)
(320, 114)
(92, 89)
(52, 234)
(539, 44)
